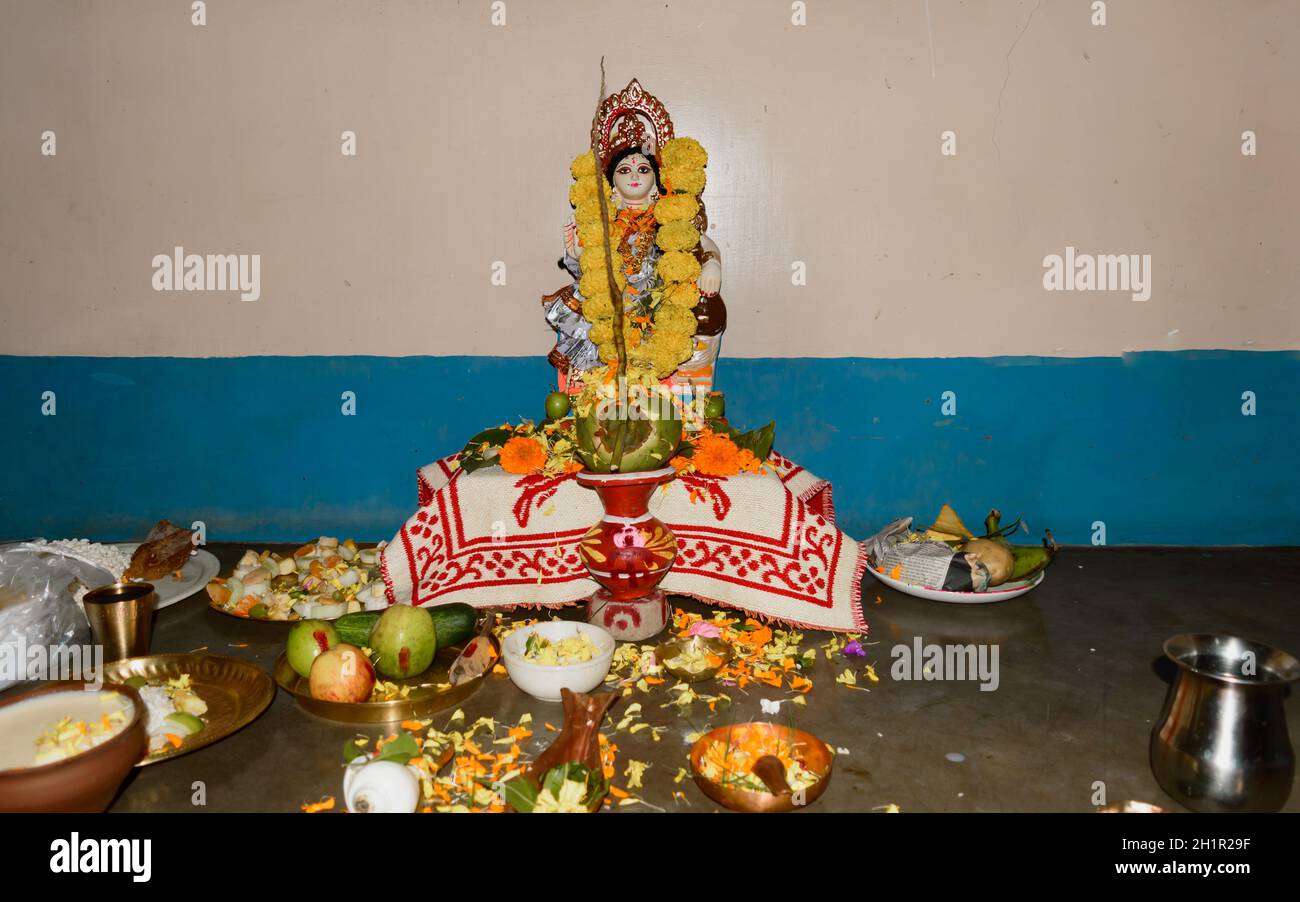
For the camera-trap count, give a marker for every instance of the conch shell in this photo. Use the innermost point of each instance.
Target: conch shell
(381, 787)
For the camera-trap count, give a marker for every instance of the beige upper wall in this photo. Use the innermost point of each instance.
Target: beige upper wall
(824, 144)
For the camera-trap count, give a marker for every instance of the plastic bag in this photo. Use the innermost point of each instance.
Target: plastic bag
(38, 608)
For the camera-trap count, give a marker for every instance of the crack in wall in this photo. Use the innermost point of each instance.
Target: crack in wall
(997, 118)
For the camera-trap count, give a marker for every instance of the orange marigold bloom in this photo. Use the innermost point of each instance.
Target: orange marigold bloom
(717, 455)
(680, 463)
(748, 462)
(522, 456)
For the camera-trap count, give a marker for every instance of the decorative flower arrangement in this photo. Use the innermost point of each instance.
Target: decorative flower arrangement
(547, 448)
(719, 449)
(659, 328)
(582, 437)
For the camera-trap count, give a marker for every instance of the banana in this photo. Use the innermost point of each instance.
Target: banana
(1006, 562)
(1031, 559)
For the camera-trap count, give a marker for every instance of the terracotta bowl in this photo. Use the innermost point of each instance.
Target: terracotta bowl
(83, 783)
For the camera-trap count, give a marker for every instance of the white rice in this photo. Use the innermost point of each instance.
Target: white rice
(106, 557)
(157, 706)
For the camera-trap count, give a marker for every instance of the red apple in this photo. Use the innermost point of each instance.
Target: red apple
(342, 674)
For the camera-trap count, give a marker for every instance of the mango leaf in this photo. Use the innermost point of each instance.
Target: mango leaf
(720, 426)
(557, 776)
(520, 794)
(472, 456)
(759, 441)
(402, 749)
(352, 750)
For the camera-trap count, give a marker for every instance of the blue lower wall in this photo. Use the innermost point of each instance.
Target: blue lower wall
(1153, 444)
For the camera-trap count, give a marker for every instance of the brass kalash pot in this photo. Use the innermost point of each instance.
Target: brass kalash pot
(1221, 743)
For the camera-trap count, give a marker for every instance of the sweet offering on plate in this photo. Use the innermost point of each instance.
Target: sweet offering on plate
(173, 711)
(322, 580)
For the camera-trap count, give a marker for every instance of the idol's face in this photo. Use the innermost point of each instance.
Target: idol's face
(634, 179)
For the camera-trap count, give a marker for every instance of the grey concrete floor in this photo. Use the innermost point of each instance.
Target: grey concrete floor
(1080, 686)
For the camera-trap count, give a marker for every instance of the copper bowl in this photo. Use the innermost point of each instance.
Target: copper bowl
(699, 644)
(815, 756)
(86, 782)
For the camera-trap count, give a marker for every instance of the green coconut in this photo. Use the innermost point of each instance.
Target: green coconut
(647, 444)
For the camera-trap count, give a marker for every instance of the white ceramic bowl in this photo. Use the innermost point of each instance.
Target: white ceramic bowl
(545, 683)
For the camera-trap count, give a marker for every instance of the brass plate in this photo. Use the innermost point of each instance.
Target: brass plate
(425, 698)
(236, 691)
(816, 757)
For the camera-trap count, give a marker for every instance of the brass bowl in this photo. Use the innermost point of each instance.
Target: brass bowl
(816, 757)
(699, 644)
(430, 691)
(85, 782)
(236, 691)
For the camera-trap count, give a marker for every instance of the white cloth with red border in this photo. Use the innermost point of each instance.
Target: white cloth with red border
(765, 543)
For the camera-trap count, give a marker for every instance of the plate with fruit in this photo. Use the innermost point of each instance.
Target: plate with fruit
(322, 580)
(402, 664)
(950, 552)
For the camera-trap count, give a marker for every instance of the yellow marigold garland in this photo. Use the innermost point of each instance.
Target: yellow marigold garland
(666, 342)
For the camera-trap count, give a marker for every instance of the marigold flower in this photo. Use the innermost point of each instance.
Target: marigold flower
(678, 266)
(596, 308)
(585, 165)
(685, 152)
(685, 179)
(583, 192)
(596, 283)
(717, 455)
(589, 230)
(592, 259)
(682, 294)
(672, 318)
(522, 456)
(677, 236)
(676, 208)
(602, 330)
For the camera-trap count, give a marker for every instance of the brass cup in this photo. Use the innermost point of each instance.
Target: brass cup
(121, 618)
(666, 651)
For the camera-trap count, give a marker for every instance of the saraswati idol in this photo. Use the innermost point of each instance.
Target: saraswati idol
(669, 272)
(638, 331)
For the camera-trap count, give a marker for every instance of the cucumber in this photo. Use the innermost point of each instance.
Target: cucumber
(355, 629)
(454, 622)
